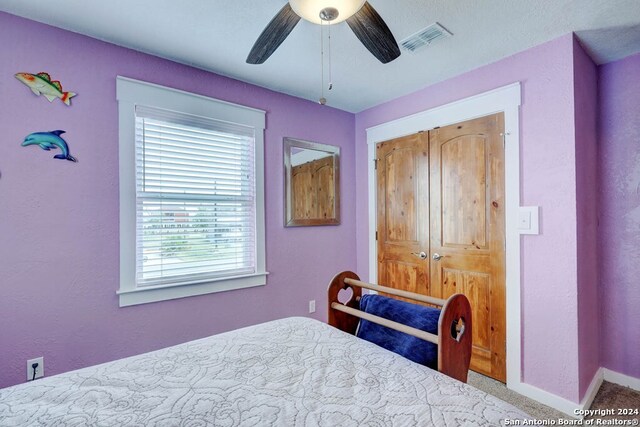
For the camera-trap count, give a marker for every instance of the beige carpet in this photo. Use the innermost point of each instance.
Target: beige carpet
(614, 396)
(610, 396)
(497, 389)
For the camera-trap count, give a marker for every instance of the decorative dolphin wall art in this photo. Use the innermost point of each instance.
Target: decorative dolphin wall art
(41, 84)
(48, 141)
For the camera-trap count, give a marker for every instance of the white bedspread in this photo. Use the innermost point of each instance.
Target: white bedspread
(290, 372)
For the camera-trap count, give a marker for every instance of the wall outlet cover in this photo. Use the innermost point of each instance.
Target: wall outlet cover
(39, 370)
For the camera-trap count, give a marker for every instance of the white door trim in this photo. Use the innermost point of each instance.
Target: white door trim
(506, 99)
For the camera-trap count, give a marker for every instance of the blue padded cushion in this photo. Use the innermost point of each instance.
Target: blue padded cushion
(417, 316)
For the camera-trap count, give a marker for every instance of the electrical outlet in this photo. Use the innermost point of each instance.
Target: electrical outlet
(39, 370)
(312, 306)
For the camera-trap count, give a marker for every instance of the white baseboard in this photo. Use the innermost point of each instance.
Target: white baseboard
(596, 382)
(571, 408)
(561, 404)
(621, 379)
(553, 401)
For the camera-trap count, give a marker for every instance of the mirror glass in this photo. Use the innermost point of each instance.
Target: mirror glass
(311, 183)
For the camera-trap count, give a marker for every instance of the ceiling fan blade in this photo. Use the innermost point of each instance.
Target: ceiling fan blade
(374, 34)
(273, 35)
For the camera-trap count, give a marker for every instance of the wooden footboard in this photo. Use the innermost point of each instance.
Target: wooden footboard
(454, 325)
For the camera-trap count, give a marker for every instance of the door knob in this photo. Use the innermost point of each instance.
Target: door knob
(420, 255)
(436, 257)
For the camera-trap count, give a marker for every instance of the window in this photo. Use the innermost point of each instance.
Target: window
(191, 194)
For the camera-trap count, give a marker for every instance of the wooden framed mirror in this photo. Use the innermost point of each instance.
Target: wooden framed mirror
(312, 183)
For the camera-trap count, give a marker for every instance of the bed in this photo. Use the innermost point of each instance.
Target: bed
(289, 372)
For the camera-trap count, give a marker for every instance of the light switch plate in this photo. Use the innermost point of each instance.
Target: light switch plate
(529, 220)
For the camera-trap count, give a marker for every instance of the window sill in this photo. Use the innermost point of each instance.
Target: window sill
(130, 297)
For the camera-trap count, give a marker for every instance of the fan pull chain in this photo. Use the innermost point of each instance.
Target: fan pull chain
(330, 78)
(322, 99)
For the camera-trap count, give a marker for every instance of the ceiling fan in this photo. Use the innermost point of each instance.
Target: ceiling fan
(362, 18)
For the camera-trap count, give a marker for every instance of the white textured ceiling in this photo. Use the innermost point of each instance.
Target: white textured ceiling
(217, 35)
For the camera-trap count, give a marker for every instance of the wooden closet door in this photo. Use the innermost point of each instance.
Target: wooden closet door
(313, 194)
(323, 170)
(467, 230)
(303, 184)
(402, 172)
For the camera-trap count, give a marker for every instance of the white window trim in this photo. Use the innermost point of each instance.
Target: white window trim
(129, 93)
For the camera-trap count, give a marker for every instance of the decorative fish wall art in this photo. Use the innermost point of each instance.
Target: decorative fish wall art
(48, 141)
(41, 84)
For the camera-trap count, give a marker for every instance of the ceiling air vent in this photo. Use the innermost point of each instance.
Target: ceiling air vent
(425, 37)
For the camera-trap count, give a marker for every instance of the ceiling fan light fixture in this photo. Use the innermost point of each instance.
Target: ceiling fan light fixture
(364, 21)
(311, 10)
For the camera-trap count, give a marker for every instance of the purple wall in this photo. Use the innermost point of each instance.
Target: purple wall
(59, 223)
(586, 117)
(59, 264)
(548, 179)
(619, 232)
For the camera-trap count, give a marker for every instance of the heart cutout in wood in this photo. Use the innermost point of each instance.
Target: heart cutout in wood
(345, 295)
(458, 329)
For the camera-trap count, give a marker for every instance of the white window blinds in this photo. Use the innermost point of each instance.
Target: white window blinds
(195, 199)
